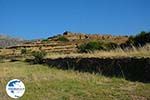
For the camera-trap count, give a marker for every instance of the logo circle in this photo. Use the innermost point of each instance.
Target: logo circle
(15, 88)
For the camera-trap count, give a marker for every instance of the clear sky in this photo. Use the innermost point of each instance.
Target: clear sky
(32, 19)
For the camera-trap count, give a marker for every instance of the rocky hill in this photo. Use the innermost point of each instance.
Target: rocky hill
(6, 41)
(68, 42)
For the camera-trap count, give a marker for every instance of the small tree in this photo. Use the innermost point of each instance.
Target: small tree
(38, 56)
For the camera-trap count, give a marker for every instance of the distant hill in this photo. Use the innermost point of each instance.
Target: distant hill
(6, 41)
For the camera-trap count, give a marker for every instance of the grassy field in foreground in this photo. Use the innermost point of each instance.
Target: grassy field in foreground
(45, 83)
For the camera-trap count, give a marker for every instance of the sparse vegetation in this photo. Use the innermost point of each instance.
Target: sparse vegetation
(139, 40)
(110, 46)
(24, 51)
(45, 40)
(91, 46)
(142, 38)
(63, 39)
(38, 56)
(96, 45)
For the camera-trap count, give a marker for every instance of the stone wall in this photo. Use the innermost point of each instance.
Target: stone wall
(134, 69)
(78, 36)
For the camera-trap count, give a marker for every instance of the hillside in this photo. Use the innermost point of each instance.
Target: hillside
(69, 41)
(53, 68)
(6, 41)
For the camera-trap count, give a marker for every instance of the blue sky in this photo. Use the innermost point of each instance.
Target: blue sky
(32, 19)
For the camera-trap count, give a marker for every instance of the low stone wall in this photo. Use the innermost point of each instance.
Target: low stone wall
(134, 69)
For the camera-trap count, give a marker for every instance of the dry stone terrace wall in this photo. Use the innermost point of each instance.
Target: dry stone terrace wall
(75, 39)
(134, 69)
(79, 36)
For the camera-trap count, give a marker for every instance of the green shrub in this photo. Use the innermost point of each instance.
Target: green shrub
(90, 46)
(109, 46)
(38, 56)
(24, 51)
(96, 45)
(140, 39)
(131, 40)
(63, 39)
(45, 40)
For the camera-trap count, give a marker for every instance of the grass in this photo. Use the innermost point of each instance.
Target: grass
(46, 83)
(118, 52)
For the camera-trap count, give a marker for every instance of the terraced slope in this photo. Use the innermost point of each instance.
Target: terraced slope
(53, 44)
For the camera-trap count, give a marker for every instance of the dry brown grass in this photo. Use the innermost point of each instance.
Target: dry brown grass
(45, 83)
(134, 52)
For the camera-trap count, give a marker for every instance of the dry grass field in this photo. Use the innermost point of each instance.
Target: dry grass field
(46, 83)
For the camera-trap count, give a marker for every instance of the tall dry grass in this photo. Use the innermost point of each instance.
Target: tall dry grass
(46, 83)
(118, 52)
